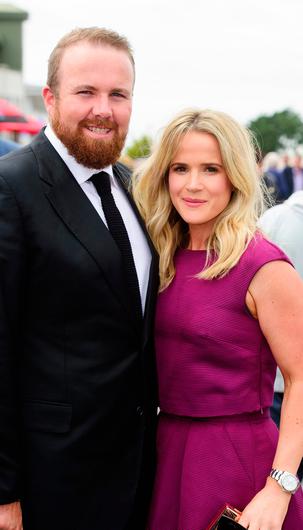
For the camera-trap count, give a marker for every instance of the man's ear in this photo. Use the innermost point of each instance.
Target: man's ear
(49, 99)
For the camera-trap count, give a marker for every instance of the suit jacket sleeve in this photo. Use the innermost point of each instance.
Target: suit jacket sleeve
(12, 263)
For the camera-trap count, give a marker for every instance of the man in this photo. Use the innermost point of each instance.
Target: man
(77, 395)
(287, 176)
(273, 177)
(283, 224)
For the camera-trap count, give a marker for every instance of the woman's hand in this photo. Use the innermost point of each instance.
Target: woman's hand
(267, 509)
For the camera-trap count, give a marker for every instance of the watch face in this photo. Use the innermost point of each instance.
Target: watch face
(289, 482)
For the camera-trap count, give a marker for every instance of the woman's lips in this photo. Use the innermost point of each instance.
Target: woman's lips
(193, 202)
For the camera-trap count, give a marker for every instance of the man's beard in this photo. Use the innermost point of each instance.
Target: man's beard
(90, 152)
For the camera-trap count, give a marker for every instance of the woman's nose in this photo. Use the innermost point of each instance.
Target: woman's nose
(194, 182)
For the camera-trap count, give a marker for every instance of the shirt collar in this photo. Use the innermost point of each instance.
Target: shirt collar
(80, 172)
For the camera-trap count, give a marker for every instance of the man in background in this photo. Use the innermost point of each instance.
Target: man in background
(283, 224)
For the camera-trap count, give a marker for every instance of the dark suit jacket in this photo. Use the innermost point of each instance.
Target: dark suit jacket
(77, 392)
(287, 175)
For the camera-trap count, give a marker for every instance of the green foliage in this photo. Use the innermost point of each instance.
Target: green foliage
(278, 131)
(140, 148)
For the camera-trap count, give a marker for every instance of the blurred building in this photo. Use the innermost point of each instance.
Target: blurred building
(11, 82)
(12, 87)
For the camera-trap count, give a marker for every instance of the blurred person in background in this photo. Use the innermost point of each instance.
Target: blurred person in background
(287, 176)
(6, 146)
(283, 224)
(273, 177)
(297, 173)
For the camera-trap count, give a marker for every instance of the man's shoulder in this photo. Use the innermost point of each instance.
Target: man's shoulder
(20, 162)
(271, 215)
(15, 161)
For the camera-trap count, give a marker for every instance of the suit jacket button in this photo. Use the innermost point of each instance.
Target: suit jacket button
(140, 411)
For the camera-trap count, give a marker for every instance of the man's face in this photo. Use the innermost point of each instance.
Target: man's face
(91, 108)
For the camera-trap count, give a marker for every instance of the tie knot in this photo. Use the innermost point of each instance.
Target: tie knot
(101, 182)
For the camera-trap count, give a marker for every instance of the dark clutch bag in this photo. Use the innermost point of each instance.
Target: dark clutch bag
(225, 520)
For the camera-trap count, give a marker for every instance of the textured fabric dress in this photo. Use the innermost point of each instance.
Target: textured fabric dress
(216, 441)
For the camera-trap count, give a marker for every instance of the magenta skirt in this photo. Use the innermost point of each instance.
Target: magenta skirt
(203, 464)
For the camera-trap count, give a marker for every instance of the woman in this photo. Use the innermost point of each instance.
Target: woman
(230, 308)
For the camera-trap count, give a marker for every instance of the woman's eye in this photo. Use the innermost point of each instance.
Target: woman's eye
(211, 169)
(179, 169)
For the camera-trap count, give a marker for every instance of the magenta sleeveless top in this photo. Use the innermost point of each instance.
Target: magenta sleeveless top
(212, 357)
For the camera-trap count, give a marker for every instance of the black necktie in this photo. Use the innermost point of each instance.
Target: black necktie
(119, 233)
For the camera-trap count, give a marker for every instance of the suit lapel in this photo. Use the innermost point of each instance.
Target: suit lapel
(79, 215)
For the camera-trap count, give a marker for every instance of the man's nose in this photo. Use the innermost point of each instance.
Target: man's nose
(102, 107)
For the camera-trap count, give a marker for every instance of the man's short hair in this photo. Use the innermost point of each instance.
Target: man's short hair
(93, 35)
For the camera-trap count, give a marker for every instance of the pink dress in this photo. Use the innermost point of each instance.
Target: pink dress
(216, 441)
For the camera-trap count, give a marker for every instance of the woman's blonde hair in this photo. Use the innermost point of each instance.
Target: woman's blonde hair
(235, 226)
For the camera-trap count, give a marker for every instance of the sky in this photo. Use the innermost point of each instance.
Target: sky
(243, 57)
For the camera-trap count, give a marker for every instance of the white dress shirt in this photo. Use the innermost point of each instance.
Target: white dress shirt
(283, 224)
(82, 174)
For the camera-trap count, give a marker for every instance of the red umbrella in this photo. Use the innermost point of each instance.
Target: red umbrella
(12, 119)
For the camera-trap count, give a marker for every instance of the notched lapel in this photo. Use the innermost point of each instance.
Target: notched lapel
(79, 215)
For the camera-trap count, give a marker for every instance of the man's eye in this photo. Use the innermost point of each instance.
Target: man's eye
(84, 92)
(118, 95)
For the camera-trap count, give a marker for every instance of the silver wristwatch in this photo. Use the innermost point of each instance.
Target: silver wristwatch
(288, 482)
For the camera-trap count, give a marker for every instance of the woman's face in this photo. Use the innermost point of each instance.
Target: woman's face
(198, 185)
